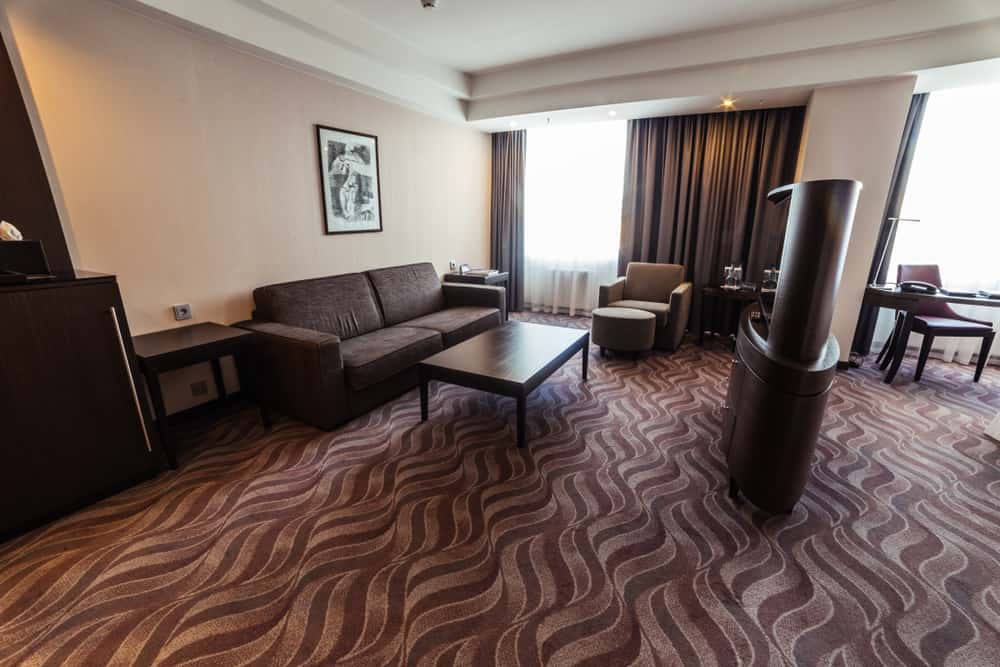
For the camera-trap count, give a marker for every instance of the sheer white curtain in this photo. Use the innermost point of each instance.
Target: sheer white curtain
(573, 181)
(953, 191)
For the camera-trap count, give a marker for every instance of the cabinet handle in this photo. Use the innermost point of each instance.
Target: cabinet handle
(131, 380)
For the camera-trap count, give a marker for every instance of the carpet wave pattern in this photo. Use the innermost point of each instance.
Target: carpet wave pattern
(608, 541)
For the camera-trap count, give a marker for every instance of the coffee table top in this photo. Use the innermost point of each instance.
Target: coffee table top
(517, 352)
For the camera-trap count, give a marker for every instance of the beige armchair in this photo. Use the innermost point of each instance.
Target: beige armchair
(658, 289)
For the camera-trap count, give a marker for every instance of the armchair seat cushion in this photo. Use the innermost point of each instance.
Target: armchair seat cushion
(458, 324)
(378, 355)
(661, 310)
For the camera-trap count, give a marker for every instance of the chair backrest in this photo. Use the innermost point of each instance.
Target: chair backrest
(926, 273)
(646, 281)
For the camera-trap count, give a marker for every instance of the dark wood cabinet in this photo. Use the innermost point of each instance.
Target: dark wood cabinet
(72, 415)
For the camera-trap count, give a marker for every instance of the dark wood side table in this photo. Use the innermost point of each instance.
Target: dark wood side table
(171, 349)
(715, 293)
(500, 279)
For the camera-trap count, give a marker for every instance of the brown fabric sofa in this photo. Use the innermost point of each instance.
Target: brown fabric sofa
(658, 289)
(334, 348)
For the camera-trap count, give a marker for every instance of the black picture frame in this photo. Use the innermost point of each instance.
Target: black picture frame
(363, 176)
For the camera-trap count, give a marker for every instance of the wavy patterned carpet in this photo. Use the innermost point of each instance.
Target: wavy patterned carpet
(609, 542)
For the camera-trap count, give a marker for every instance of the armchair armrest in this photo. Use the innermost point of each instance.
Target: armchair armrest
(680, 311)
(485, 296)
(611, 293)
(300, 372)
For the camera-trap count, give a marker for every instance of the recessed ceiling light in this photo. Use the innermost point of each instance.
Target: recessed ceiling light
(612, 113)
(513, 123)
(728, 103)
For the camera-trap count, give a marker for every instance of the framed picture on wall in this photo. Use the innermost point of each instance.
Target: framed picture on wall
(348, 165)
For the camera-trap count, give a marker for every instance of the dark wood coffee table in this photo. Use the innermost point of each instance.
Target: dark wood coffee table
(511, 361)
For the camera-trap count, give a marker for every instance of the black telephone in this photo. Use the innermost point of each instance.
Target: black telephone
(918, 287)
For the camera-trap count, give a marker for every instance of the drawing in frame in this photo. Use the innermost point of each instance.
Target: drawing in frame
(349, 179)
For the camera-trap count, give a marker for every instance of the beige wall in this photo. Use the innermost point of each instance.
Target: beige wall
(189, 169)
(854, 131)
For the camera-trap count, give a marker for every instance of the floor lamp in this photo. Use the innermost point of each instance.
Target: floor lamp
(889, 241)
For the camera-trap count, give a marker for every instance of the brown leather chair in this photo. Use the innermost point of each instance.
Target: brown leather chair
(936, 318)
(659, 289)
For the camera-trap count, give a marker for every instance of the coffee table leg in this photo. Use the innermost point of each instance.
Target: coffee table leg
(522, 409)
(423, 396)
(586, 355)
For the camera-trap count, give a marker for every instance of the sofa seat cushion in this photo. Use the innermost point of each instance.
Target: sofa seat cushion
(661, 310)
(378, 355)
(458, 324)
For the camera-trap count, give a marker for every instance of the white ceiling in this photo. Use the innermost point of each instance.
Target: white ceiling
(473, 35)
(490, 62)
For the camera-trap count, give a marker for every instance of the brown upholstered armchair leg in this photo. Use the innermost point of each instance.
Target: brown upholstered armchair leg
(925, 351)
(984, 355)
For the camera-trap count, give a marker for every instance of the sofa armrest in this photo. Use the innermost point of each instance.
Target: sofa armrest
(485, 296)
(611, 293)
(680, 311)
(300, 372)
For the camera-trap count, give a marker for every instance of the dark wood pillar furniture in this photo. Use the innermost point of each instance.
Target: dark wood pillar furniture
(171, 349)
(73, 416)
(511, 361)
(715, 296)
(499, 279)
(911, 307)
(786, 359)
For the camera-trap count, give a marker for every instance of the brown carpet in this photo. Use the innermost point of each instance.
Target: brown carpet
(610, 541)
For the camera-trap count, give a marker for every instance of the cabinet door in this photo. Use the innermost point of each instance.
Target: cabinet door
(71, 429)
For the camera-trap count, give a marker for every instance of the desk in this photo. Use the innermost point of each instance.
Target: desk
(907, 303)
(169, 350)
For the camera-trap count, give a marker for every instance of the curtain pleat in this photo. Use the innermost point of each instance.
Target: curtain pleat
(695, 191)
(507, 212)
(865, 330)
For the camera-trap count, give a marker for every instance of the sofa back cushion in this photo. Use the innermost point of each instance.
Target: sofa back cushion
(341, 305)
(646, 281)
(406, 292)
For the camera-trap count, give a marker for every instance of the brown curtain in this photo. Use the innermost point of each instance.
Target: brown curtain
(507, 212)
(865, 331)
(695, 191)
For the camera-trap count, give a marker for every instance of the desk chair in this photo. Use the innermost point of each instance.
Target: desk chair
(933, 319)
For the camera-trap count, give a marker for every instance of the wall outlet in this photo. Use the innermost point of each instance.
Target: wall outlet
(452, 265)
(199, 388)
(182, 311)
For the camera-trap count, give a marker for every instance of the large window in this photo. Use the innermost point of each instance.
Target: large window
(573, 204)
(952, 191)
